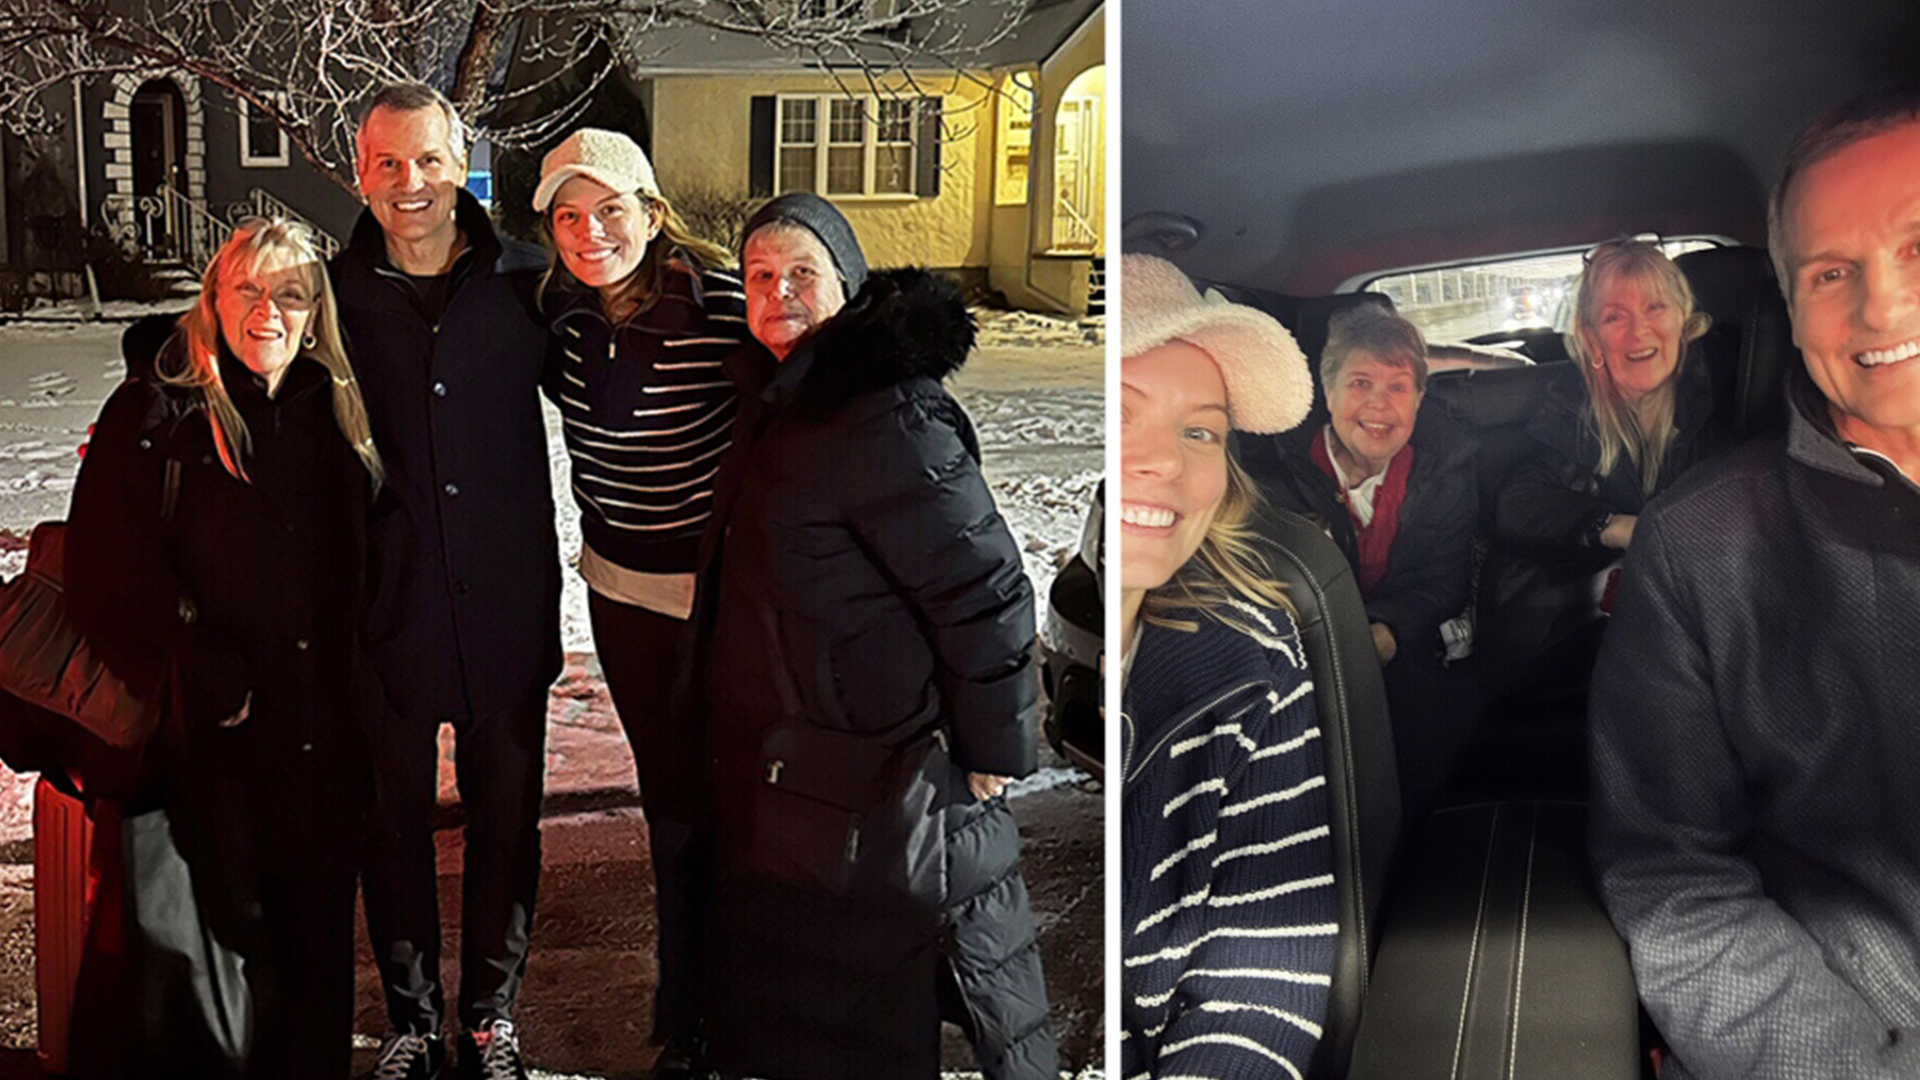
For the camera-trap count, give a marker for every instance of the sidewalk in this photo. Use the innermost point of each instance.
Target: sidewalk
(589, 989)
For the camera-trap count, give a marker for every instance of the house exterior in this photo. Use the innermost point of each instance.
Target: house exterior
(120, 139)
(995, 173)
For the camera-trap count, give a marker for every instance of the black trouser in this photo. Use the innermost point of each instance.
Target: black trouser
(500, 763)
(641, 654)
(1432, 725)
(303, 983)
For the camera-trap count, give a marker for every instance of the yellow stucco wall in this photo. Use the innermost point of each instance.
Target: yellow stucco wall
(702, 137)
(1019, 270)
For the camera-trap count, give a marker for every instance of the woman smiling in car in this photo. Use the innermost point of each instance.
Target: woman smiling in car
(1401, 502)
(1647, 418)
(1227, 908)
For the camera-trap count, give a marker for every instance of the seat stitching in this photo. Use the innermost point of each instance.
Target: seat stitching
(1520, 968)
(1473, 952)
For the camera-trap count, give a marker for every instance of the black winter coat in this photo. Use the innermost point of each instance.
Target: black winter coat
(465, 608)
(859, 578)
(1430, 566)
(273, 571)
(1547, 517)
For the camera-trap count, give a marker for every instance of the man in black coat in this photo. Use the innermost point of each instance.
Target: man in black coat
(1756, 825)
(464, 622)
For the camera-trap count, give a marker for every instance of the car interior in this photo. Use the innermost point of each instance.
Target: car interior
(1298, 157)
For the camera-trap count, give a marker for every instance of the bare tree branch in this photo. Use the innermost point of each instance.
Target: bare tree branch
(519, 70)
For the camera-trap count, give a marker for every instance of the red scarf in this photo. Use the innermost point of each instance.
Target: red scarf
(1375, 541)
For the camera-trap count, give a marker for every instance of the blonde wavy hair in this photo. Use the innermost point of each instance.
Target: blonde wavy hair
(643, 288)
(191, 358)
(1614, 423)
(1228, 566)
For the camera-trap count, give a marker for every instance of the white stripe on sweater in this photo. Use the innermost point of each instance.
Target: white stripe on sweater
(691, 365)
(1285, 646)
(1304, 978)
(603, 481)
(1177, 952)
(1281, 844)
(1198, 843)
(1286, 747)
(1194, 792)
(670, 409)
(684, 387)
(1193, 899)
(633, 527)
(1300, 1022)
(1198, 741)
(1294, 792)
(655, 507)
(677, 342)
(689, 462)
(1239, 1041)
(1267, 894)
(1305, 688)
(1205, 896)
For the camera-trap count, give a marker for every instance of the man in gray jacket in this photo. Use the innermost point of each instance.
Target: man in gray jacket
(1756, 817)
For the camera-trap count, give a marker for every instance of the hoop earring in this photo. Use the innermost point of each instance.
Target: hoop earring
(309, 341)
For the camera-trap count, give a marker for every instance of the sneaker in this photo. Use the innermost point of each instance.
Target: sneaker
(410, 1057)
(492, 1053)
(683, 1058)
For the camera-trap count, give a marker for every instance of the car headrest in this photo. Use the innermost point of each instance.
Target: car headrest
(1316, 312)
(1363, 788)
(1737, 287)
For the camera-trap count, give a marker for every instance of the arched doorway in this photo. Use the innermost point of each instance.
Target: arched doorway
(158, 117)
(1080, 164)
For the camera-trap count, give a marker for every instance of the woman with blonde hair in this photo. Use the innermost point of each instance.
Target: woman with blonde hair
(1220, 752)
(217, 533)
(1646, 417)
(642, 312)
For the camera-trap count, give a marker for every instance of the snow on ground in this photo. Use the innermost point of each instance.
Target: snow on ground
(1034, 390)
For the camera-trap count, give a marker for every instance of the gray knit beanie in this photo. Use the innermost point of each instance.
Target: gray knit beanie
(823, 220)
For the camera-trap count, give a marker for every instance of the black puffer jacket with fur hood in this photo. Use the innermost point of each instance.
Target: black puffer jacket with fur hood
(859, 579)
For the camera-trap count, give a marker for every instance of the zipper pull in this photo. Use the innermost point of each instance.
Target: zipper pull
(773, 770)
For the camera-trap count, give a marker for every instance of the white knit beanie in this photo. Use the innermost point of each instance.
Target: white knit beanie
(1268, 388)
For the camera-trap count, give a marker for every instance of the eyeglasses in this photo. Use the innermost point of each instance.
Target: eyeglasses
(295, 298)
(1623, 240)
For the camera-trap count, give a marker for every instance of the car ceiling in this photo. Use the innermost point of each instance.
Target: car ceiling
(1312, 140)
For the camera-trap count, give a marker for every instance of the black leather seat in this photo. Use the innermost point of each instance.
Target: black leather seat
(1736, 285)
(1362, 782)
(1492, 951)
(1498, 961)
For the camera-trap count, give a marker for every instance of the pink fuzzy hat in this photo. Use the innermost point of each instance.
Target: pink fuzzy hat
(1268, 388)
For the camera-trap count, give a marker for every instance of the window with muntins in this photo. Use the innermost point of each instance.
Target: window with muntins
(840, 146)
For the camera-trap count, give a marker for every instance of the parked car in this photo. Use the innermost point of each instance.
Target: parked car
(1072, 637)
(1455, 160)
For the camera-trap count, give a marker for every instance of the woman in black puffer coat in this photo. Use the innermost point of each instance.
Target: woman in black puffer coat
(867, 675)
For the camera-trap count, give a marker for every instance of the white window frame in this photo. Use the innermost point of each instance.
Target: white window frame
(870, 144)
(251, 160)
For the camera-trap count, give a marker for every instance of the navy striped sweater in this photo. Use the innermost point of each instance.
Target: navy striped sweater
(1228, 921)
(648, 414)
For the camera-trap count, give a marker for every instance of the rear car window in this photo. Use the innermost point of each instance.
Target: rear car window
(1480, 302)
